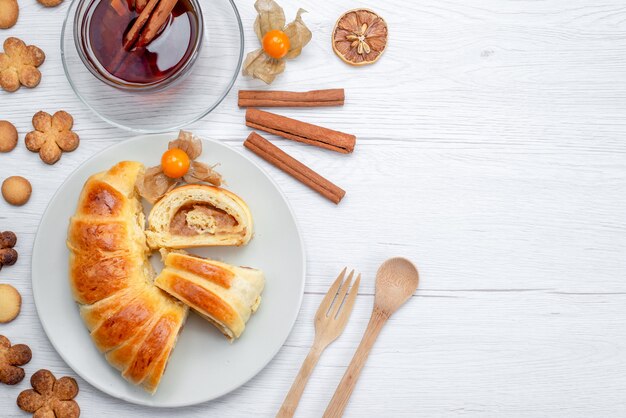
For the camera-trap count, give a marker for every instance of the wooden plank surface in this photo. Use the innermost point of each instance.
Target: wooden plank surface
(491, 151)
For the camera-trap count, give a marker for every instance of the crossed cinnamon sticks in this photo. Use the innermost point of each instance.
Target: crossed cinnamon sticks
(297, 131)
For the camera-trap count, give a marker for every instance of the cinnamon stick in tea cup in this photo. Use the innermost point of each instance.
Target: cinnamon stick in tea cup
(140, 5)
(148, 23)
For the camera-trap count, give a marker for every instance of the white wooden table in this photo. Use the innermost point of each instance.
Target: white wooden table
(491, 151)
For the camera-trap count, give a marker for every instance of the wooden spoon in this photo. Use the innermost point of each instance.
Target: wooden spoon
(396, 280)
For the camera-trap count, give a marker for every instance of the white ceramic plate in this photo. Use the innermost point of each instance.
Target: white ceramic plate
(204, 365)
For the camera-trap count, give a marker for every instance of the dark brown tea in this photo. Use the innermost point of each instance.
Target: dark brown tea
(165, 56)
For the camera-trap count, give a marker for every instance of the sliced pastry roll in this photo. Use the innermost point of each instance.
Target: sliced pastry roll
(199, 215)
(131, 321)
(224, 295)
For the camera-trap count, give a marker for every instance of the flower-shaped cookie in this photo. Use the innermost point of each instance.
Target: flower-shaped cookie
(52, 135)
(18, 65)
(8, 255)
(267, 62)
(50, 397)
(11, 357)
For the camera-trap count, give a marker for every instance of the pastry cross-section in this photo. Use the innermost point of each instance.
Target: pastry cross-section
(224, 295)
(199, 215)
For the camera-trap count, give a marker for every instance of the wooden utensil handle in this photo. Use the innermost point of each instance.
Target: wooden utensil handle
(342, 394)
(295, 393)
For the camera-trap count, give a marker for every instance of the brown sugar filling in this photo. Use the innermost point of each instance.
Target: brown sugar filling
(215, 220)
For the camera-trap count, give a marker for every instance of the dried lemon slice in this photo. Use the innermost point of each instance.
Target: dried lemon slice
(359, 37)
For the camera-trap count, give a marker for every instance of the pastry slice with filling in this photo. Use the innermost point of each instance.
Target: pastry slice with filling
(199, 215)
(224, 295)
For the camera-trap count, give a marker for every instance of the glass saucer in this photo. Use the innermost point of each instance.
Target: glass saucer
(208, 82)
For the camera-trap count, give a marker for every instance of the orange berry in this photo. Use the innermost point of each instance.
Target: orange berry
(175, 163)
(276, 43)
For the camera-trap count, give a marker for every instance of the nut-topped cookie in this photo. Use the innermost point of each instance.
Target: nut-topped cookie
(18, 65)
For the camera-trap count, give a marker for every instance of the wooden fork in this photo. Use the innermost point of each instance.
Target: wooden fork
(330, 320)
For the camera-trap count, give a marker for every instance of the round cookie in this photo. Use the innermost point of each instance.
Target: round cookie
(10, 303)
(16, 190)
(9, 11)
(8, 135)
(50, 3)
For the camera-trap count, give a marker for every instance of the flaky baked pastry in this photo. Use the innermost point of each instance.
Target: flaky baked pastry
(224, 295)
(199, 215)
(130, 320)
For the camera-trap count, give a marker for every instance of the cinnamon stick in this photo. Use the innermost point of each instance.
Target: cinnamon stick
(280, 159)
(157, 19)
(132, 35)
(119, 6)
(140, 5)
(300, 131)
(148, 23)
(314, 98)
